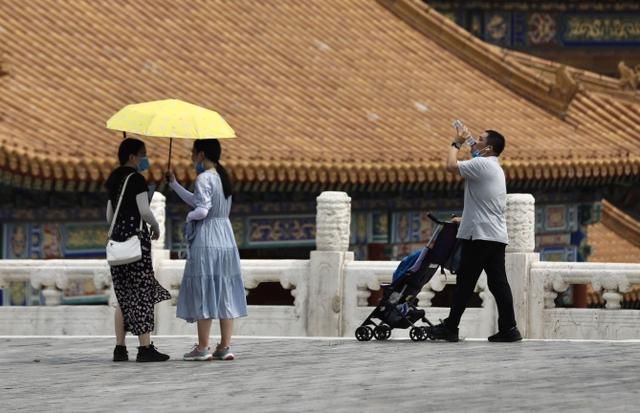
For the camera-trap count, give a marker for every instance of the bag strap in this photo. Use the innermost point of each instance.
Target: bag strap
(115, 214)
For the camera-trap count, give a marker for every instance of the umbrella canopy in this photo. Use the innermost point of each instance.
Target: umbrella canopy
(171, 118)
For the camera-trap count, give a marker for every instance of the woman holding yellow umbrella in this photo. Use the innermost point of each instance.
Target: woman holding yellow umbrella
(212, 286)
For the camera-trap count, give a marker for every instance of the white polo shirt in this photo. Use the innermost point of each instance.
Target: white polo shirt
(485, 200)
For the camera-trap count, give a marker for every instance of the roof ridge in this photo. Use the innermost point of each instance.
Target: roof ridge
(553, 97)
(521, 56)
(620, 222)
(592, 81)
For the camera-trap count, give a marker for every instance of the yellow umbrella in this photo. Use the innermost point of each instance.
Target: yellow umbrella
(171, 118)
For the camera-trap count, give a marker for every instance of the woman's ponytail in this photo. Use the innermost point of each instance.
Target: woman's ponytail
(226, 181)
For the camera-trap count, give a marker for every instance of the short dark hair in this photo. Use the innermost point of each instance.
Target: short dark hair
(129, 146)
(496, 140)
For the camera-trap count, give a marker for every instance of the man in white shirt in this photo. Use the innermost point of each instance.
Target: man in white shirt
(483, 231)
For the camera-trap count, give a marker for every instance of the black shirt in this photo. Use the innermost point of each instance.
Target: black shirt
(136, 185)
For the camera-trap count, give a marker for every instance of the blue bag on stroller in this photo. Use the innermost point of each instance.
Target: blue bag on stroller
(406, 263)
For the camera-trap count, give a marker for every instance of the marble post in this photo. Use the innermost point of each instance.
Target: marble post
(159, 255)
(519, 254)
(159, 207)
(326, 278)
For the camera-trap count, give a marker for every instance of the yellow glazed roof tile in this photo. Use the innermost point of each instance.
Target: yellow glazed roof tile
(326, 91)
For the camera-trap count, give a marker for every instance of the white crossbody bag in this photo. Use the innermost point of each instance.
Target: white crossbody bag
(123, 252)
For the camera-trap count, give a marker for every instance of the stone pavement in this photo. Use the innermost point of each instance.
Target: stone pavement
(75, 374)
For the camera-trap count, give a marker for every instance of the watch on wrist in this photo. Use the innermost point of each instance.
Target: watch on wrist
(455, 145)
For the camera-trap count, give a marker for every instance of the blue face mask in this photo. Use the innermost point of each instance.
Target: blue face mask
(200, 168)
(143, 165)
(475, 153)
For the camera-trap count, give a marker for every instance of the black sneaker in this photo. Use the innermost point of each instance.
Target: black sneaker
(120, 353)
(442, 332)
(509, 336)
(148, 354)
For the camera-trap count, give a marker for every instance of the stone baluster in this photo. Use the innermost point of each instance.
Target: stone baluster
(488, 322)
(46, 281)
(550, 298)
(158, 207)
(435, 285)
(293, 280)
(425, 296)
(288, 284)
(364, 289)
(613, 299)
(102, 280)
(613, 287)
(553, 286)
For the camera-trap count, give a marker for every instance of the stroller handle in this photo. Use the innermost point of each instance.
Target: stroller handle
(436, 220)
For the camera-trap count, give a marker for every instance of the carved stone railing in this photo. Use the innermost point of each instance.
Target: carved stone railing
(331, 290)
(548, 279)
(51, 278)
(263, 319)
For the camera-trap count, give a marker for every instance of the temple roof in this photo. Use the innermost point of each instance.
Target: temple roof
(323, 92)
(616, 238)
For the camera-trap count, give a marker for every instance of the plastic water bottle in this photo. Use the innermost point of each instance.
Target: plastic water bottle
(471, 141)
(458, 125)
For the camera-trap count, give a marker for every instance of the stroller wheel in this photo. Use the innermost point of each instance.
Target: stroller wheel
(382, 332)
(418, 334)
(364, 333)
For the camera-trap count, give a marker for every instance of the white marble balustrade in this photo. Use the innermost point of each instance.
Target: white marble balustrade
(548, 279)
(52, 277)
(271, 320)
(330, 289)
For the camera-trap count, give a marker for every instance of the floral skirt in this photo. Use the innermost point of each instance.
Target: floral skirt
(137, 290)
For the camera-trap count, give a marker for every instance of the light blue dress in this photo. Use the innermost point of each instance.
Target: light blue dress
(212, 286)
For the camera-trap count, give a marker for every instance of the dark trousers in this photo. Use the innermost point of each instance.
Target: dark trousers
(478, 255)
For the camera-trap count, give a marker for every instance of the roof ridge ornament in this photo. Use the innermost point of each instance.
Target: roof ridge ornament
(629, 78)
(564, 86)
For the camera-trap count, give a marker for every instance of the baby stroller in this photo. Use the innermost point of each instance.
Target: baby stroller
(398, 306)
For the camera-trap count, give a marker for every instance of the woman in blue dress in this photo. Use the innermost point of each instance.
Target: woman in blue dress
(212, 286)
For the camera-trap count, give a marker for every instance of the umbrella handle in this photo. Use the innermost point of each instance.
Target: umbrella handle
(169, 163)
